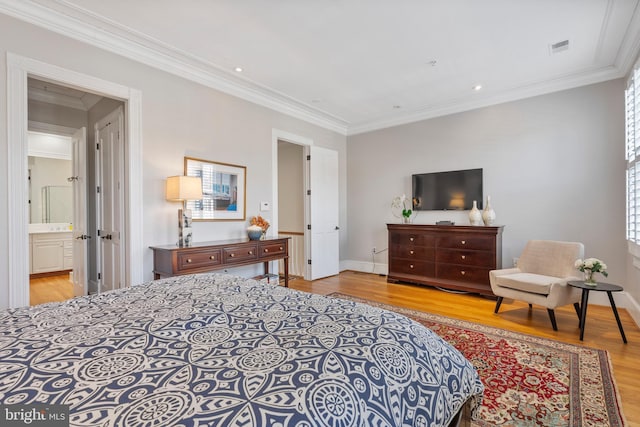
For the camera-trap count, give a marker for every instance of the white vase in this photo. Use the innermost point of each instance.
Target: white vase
(475, 216)
(488, 214)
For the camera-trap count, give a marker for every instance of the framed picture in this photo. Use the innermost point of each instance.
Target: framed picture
(223, 190)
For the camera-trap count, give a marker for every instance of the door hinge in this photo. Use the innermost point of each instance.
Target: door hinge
(308, 192)
(309, 261)
(98, 189)
(308, 156)
(97, 146)
(99, 276)
(98, 233)
(308, 226)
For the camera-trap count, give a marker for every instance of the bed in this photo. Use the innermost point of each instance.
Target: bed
(220, 350)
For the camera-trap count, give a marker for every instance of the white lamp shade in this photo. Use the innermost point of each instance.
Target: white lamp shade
(181, 188)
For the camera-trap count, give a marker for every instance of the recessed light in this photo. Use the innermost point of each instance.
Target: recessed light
(238, 69)
(397, 107)
(316, 100)
(477, 87)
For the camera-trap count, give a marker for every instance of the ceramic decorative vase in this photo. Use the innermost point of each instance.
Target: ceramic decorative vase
(488, 214)
(406, 219)
(475, 216)
(254, 232)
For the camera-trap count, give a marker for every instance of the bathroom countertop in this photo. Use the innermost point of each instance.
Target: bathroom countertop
(50, 228)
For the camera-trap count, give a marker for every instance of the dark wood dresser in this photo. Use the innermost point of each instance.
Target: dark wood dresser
(171, 260)
(455, 257)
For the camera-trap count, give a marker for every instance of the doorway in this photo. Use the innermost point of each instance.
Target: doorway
(64, 228)
(19, 69)
(315, 194)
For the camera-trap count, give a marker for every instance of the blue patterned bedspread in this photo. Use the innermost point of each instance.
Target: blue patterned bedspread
(220, 350)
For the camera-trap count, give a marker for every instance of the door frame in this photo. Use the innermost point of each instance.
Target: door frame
(19, 68)
(281, 135)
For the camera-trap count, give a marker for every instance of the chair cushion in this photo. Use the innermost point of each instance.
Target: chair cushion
(528, 282)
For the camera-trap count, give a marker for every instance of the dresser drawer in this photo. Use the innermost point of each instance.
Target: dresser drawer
(416, 239)
(197, 259)
(270, 249)
(240, 253)
(418, 268)
(483, 243)
(463, 273)
(421, 253)
(462, 257)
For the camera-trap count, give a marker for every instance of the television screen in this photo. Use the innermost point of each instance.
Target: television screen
(453, 190)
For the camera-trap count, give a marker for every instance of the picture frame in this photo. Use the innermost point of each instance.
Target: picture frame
(224, 190)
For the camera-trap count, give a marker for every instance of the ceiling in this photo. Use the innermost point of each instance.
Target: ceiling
(358, 65)
(61, 95)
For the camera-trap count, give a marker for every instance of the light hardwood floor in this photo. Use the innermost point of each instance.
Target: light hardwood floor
(50, 289)
(601, 329)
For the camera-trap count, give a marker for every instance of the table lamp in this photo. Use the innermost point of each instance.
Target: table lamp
(182, 189)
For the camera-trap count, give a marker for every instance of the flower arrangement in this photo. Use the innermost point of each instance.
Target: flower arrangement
(260, 222)
(402, 205)
(589, 266)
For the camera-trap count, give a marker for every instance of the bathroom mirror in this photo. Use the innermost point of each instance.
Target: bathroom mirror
(50, 194)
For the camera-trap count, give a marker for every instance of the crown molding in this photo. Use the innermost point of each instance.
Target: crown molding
(80, 24)
(509, 95)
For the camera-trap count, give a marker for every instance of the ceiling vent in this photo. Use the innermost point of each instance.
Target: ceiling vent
(559, 47)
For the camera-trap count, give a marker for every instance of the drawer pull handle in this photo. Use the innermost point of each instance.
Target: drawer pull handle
(212, 257)
(464, 242)
(281, 248)
(411, 252)
(189, 260)
(463, 272)
(232, 255)
(411, 239)
(410, 265)
(266, 250)
(250, 252)
(464, 256)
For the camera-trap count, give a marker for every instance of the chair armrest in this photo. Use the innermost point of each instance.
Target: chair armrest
(496, 273)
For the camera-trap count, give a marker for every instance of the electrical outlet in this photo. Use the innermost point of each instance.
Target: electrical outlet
(515, 262)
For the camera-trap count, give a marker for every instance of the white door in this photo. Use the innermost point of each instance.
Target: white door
(110, 201)
(80, 233)
(324, 238)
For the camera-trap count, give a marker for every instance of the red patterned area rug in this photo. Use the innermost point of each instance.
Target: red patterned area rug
(529, 381)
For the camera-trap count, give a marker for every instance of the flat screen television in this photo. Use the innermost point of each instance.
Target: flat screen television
(452, 190)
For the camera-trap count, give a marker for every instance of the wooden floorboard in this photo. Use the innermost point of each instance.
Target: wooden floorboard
(601, 330)
(50, 289)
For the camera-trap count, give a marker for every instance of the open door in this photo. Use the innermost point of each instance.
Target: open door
(79, 185)
(324, 231)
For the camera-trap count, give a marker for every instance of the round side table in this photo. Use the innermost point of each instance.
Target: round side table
(599, 287)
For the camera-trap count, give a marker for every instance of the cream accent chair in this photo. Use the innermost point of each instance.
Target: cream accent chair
(541, 277)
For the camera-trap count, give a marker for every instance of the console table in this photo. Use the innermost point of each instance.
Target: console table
(172, 260)
(455, 257)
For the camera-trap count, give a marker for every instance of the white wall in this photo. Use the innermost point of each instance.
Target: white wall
(179, 118)
(553, 165)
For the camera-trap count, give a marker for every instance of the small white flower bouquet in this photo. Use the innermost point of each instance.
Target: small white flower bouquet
(589, 266)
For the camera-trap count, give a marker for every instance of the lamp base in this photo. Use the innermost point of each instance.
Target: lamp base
(185, 232)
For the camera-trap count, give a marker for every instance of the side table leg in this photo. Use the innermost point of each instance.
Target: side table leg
(615, 312)
(583, 314)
